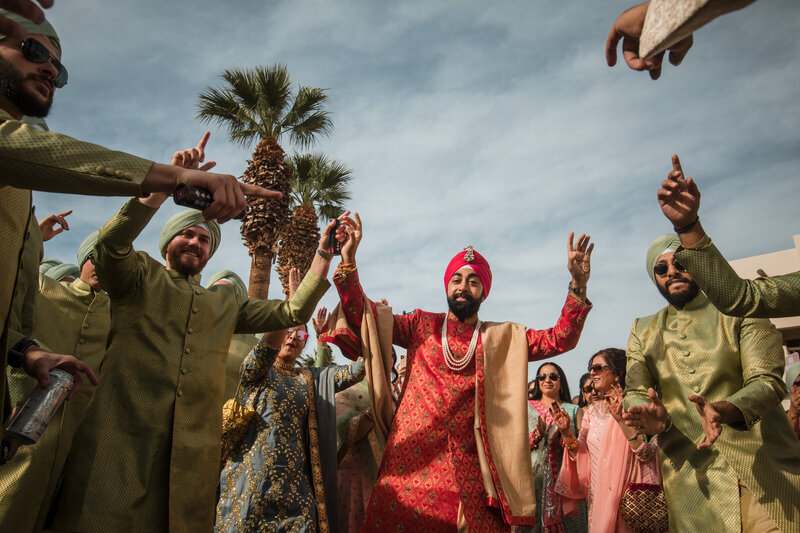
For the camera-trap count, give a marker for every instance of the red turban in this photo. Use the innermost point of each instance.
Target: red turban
(469, 257)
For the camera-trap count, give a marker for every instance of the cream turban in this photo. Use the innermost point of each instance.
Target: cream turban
(45, 28)
(48, 263)
(62, 271)
(230, 277)
(86, 248)
(791, 374)
(187, 219)
(668, 242)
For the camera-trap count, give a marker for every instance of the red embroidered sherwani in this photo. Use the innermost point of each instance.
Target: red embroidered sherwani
(430, 465)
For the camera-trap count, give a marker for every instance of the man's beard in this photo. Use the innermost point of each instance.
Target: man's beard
(680, 299)
(12, 86)
(177, 263)
(466, 309)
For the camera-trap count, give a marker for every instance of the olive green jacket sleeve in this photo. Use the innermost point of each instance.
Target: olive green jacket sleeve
(49, 161)
(258, 316)
(638, 377)
(324, 356)
(118, 266)
(769, 297)
(761, 352)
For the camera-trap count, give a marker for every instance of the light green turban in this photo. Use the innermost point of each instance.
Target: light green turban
(62, 271)
(187, 219)
(230, 277)
(87, 247)
(791, 374)
(668, 242)
(45, 28)
(48, 263)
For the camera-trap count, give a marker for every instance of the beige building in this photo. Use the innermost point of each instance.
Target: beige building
(774, 264)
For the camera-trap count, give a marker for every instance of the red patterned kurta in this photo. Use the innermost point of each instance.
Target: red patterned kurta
(431, 466)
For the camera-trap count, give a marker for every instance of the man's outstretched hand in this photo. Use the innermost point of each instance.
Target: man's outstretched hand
(628, 28)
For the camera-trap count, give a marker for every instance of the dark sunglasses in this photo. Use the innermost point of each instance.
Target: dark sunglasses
(588, 390)
(552, 375)
(301, 333)
(36, 52)
(597, 368)
(661, 268)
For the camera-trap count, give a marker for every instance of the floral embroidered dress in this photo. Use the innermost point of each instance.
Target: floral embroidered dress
(546, 462)
(430, 477)
(273, 481)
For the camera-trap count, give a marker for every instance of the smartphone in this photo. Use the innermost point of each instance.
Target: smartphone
(335, 246)
(197, 198)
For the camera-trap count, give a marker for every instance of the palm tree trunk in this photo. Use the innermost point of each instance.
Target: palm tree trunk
(260, 268)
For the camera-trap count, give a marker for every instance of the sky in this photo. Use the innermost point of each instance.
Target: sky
(496, 125)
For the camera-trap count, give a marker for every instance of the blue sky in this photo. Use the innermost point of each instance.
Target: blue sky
(491, 124)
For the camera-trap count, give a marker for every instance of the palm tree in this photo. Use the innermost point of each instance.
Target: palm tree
(259, 104)
(319, 189)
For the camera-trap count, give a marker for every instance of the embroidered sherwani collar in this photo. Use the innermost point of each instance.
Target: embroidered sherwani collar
(194, 280)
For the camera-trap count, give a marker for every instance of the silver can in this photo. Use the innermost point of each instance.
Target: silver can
(30, 422)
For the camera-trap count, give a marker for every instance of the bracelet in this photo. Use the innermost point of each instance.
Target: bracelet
(577, 290)
(687, 227)
(669, 424)
(17, 352)
(633, 438)
(324, 253)
(571, 446)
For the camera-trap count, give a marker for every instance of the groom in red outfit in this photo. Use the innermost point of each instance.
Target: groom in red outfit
(457, 455)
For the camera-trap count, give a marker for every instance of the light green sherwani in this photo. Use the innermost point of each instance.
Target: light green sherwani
(42, 160)
(72, 319)
(770, 297)
(146, 457)
(698, 350)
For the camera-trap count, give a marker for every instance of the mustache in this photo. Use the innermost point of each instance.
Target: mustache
(468, 297)
(43, 79)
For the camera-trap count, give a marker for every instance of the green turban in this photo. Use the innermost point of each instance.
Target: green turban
(668, 242)
(230, 277)
(791, 374)
(45, 28)
(48, 263)
(64, 270)
(87, 247)
(187, 219)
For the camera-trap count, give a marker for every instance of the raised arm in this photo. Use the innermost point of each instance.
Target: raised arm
(258, 362)
(565, 334)
(768, 297)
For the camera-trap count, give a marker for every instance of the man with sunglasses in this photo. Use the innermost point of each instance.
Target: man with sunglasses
(726, 445)
(31, 159)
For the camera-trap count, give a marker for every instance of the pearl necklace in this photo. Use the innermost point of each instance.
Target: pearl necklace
(457, 365)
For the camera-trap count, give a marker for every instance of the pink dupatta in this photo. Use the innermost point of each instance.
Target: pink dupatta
(613, 470)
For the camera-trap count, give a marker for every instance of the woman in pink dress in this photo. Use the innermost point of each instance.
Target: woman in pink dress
(598, 464)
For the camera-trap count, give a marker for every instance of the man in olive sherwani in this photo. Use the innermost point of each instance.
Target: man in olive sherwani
(146, 457)
(31, 159)
(730, 460)
(72, 318)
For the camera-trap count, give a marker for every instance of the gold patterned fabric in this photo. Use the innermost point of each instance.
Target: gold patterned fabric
(146, 457)
(698, 350)
(770, 297)
(240, 346)
(72, 319)
(34, 159)
(22, 308)
(273, 480)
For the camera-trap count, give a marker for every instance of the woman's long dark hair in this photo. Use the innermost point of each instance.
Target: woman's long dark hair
(563, 393)
(581, 399)
(616, 361)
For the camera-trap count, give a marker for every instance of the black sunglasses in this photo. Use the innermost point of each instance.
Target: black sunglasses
(597, 368)
(552, 375)
(661, 268)
(36, 52)
(588, 390)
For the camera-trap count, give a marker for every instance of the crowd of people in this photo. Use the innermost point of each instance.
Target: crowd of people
(202, 418)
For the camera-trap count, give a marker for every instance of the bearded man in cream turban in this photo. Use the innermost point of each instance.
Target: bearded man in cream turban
(726, 445)
(147, 454)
